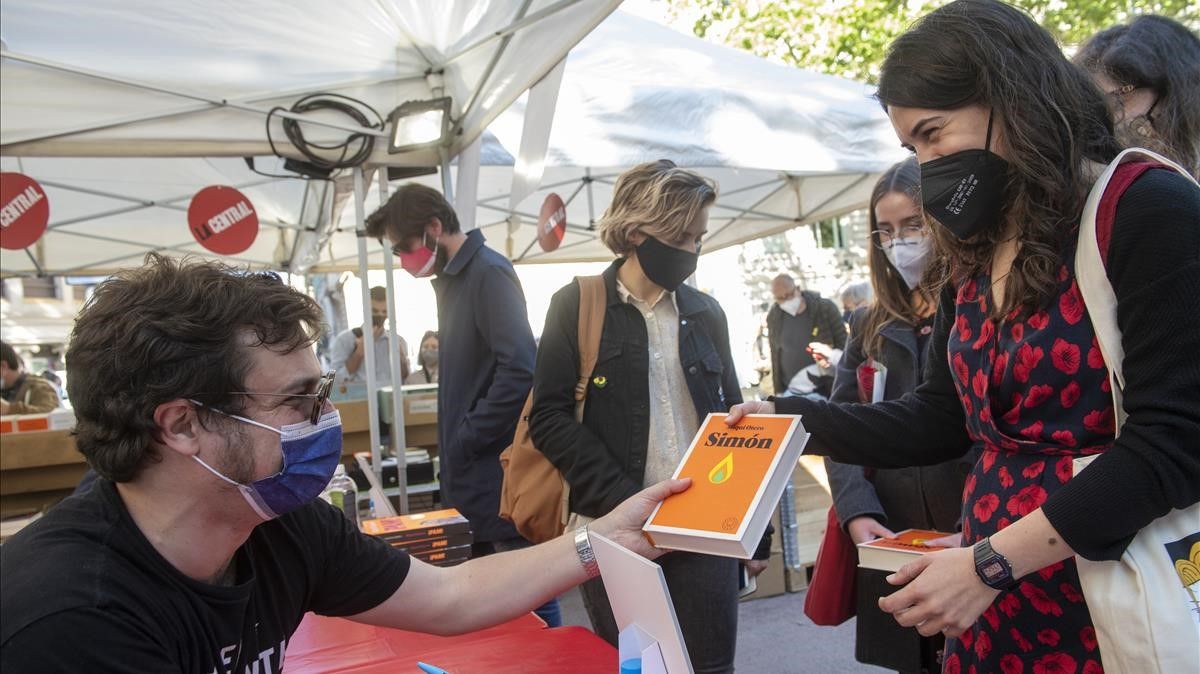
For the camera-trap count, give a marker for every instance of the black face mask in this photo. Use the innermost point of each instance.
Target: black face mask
(667, 266)
(965, 191)
(378, 320)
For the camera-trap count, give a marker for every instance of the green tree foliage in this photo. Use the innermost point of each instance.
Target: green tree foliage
(850, 37)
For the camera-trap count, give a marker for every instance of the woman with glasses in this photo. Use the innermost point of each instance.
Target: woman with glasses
(894, 333)
(1150, 70)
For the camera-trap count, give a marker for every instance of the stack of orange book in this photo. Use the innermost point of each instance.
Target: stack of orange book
(738, 474)
(889, 554)
(440, 537)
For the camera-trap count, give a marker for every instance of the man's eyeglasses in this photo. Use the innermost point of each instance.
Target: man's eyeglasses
(910, 233)
(317, 400)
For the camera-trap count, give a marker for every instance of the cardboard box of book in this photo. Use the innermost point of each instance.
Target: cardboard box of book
(738, 474)
(889, 554)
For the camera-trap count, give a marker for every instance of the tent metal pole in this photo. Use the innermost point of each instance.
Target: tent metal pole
(197, 96)
(98, 266)
(587, 177)
(399, 444)
(512, 28)
(368, 339)
(505, 38)
(550, 186)
(144, 202)
(744, 211)
(447, 183)
(189, 109)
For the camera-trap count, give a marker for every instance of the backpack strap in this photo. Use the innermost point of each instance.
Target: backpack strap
(1106, 211)
(592, 303)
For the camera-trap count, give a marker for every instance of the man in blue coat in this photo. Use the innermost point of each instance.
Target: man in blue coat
(487, 355)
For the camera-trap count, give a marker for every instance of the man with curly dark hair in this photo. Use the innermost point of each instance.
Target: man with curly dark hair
(201, 406)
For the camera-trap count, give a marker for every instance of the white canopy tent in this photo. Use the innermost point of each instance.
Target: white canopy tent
(123, 109)
(151, 83)
(787, 146)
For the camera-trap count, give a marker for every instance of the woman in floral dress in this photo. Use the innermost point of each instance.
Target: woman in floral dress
(1010, 138)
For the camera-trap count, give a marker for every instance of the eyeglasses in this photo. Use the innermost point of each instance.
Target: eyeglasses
(1120, 93)
(324, 387)
(886, 239)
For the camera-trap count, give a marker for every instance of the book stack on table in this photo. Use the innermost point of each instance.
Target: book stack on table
(440, 537)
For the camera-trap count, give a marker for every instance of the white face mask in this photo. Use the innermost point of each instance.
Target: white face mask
(791, 306)
(910, 259)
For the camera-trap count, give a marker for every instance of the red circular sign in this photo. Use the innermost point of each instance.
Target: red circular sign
(223, 220)
(552, 222)
(24, 211)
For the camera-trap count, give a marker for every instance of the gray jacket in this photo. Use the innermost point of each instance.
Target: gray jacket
(921, 497)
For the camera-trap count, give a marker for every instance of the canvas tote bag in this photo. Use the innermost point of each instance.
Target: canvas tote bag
(1144, 606)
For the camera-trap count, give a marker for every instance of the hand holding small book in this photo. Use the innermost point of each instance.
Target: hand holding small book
(866, 528)
(941, 593)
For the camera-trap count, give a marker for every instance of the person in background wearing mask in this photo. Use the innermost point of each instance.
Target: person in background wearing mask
(347, 355)
(22, 392)
(664, 363)
(855, 296)
(203, 543)
(798, 323)
(1150, 71)
(1015, 371)
(895, 333)
(427, 359)
(488, 371)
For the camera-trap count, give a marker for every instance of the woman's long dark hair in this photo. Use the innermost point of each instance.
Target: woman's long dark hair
(1156, 53)
(893, 299)
(1051, 117)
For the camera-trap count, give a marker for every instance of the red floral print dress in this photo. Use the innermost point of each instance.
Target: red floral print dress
(1036, 394)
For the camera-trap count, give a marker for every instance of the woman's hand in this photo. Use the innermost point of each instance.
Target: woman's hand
(950, 541)
(866, 528)
(753, 407)
(942, 593)
(755, 566)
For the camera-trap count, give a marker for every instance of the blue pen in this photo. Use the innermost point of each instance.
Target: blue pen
(430, 669)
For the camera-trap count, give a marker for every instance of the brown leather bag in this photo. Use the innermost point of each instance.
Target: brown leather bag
(534, 495)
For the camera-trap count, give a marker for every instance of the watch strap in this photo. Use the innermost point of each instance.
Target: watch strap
(986, 557)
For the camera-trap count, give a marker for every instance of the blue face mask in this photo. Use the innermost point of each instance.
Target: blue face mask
(310, 456)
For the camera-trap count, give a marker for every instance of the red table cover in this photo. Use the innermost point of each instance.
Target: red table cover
(524, 645)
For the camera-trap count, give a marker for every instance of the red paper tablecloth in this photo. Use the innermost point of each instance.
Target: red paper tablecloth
(522, 645)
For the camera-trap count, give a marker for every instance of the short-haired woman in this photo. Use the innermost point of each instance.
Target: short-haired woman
(663, 364)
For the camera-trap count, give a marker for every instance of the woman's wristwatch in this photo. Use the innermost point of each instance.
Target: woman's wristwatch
(583, 548)
(993, 568)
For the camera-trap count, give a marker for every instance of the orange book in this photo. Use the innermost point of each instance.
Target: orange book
(418, 526)
(889, 554)
(738, 474)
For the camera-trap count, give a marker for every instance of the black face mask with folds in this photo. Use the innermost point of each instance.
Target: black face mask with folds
(378, 320)
(668, 267)
(964, 191)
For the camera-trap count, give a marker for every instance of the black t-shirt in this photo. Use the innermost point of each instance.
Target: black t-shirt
(83, 590)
